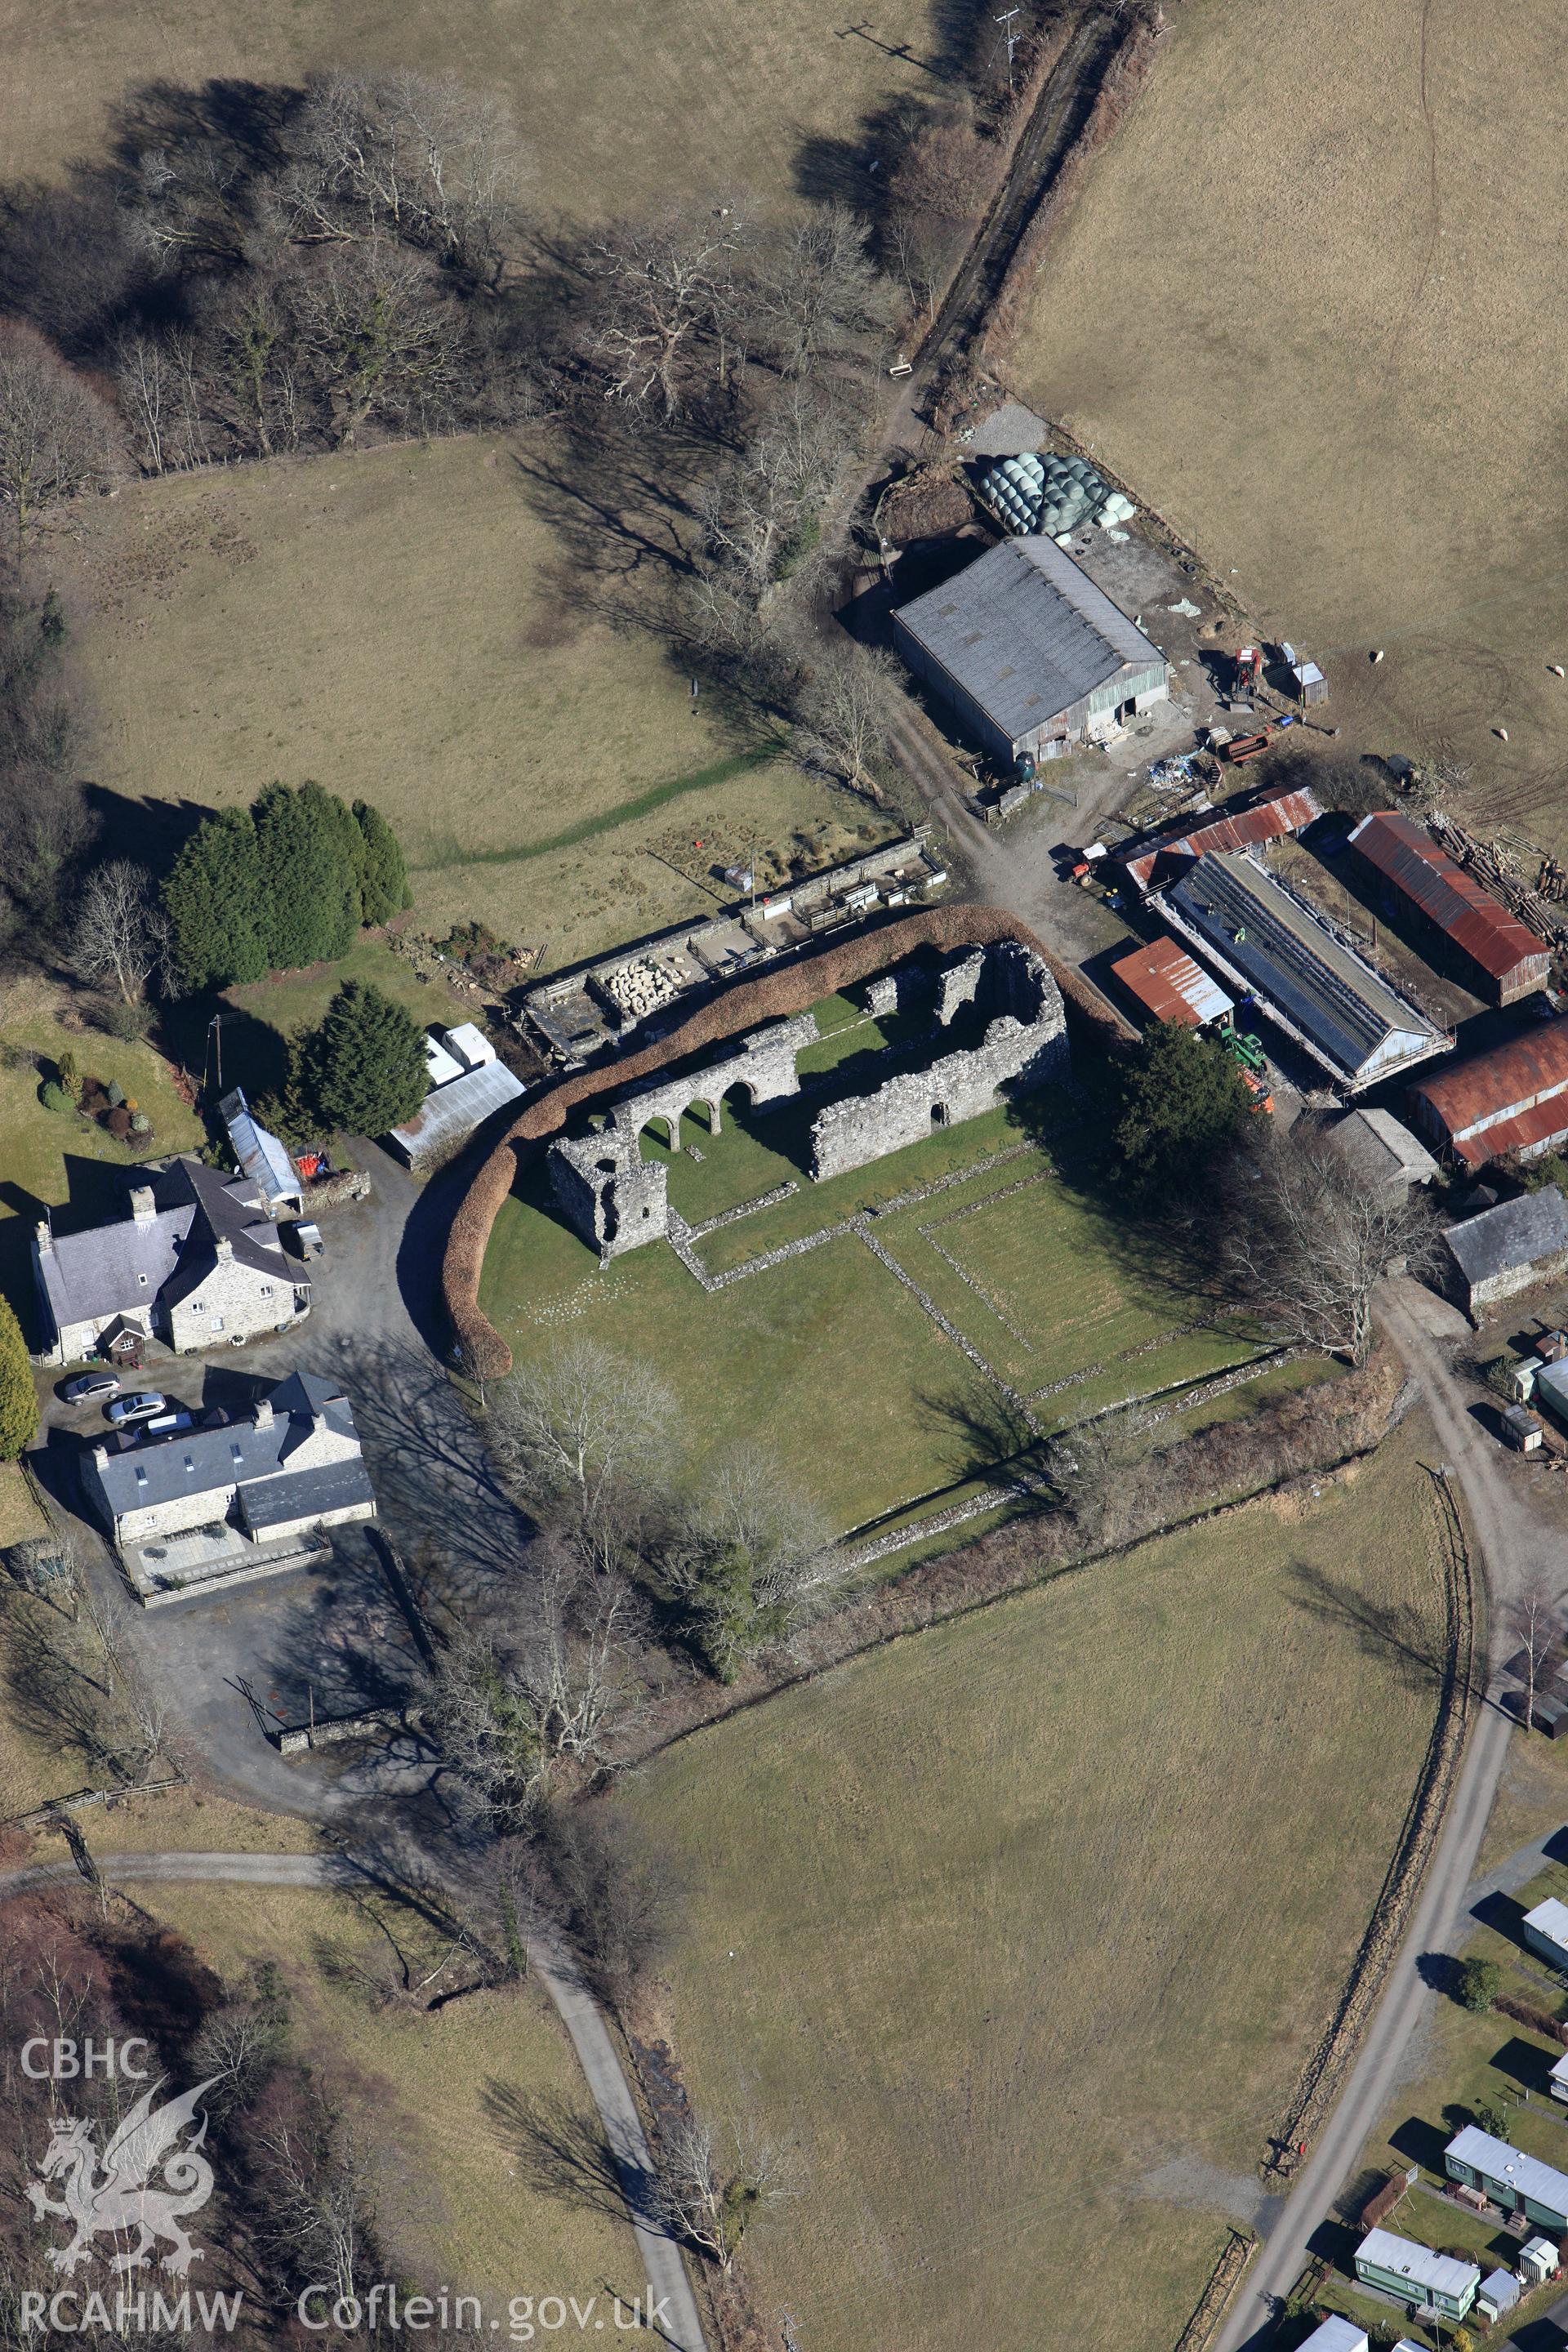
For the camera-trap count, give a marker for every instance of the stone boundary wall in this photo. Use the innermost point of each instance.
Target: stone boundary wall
(792, 988)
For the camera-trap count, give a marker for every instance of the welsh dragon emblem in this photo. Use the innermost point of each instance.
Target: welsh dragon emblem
(117, 2196)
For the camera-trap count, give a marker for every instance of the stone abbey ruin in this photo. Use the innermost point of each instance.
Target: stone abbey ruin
(617, 1201)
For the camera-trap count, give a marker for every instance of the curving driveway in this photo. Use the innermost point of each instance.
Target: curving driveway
(549, 1959)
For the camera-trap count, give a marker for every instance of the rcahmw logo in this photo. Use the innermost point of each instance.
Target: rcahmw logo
(137, 2193)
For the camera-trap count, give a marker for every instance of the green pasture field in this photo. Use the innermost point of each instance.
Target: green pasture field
(1020, 1931)
(828, 1357)
(403, 625)
(621, 108)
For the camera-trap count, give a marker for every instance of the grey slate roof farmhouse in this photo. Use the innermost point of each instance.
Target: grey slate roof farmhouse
(1512, 1246)
(1030, 654)
(197, 1262)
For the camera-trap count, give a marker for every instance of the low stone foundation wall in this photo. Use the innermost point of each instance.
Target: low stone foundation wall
(792, 988)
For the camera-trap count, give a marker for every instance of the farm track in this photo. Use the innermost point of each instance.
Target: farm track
(1059, 114)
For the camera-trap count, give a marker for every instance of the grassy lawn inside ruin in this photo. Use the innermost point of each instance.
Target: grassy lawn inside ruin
(1021, 1929)
(829, 1357)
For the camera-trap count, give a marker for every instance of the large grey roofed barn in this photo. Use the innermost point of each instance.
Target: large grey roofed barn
(1317, 986)
(1515, 1233)
(1026, 633)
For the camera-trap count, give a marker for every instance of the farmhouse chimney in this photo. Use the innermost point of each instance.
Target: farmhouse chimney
(143, 1208)
(45, 1238)
(261, 1413)
(222, 1249)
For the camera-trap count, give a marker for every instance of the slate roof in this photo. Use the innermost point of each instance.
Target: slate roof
(1274, 943)
(305, 1494)
(1447, 894)
(1267, 820)
(1382, 1147)
(236, 1454)
(1515, 1233)
(101, 1271)
(1026, 633)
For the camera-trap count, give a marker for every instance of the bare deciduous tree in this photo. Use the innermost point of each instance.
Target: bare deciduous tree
(510, 1706)
(844, 715)
(751, 1559)
(404, 155)
(666, 311)
(159, 378)
(708, 2192)
(581, 1426)
(622, 1895)
(121, 932)
(57, 437)
(813, 289)
(1531, 1619)
(1304, 1239)
(318, 2208)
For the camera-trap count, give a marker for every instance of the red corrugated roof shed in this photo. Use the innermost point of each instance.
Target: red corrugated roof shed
(1502, 1101)
(1449, 896)
(1164, 977)
(1267, 820)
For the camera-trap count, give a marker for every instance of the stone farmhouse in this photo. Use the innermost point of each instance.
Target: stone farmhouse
(250, 1493)
(195, 1263)
(617, 1202)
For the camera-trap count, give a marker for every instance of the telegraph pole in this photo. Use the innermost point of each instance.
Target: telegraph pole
(1011, 38)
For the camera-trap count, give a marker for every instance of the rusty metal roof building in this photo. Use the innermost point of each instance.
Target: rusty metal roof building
(1513, 1099)
(1511, 957)
(1312, 982)
(1168, 983)
(1267, 820)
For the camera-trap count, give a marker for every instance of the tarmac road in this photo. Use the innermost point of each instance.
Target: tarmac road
(1513, 1547)
(663, 2267)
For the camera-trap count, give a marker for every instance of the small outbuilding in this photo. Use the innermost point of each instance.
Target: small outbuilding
(1558, 2080)
(1336, 2334)
(1496, 2294)
(1167, 983)
(1509, 1248)
(1546, 1931)
(1522, 1430)
(1382, 1150)
(468, 1085)
(1030, 653)
(1538, 2261)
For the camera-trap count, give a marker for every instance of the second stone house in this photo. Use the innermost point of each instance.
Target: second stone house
(196, 1262)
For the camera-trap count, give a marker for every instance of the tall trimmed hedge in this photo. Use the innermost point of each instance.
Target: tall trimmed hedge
(287, 882)
(19, 1398)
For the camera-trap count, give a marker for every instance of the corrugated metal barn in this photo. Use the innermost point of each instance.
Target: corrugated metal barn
(1314, 987)
(1155, 861)
(1513, 1099)
(1509, 960)
(1028, 652)
(1169, 984)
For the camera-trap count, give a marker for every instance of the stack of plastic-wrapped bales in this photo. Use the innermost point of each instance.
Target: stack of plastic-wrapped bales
(1053, 495)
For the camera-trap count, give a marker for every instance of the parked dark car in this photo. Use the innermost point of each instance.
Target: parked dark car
(87, 1385)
